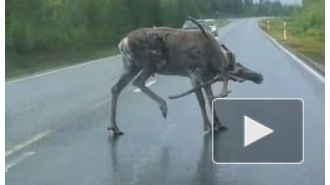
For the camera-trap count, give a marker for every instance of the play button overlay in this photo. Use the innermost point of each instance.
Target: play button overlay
(253, 131)
(260, 131)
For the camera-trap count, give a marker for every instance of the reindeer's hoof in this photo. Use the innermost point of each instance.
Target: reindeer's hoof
(207, 128)
(116, 131)
(163, 108)
(220, 128)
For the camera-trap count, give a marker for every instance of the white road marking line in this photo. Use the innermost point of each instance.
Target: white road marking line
(62, 69)
(18, 160)
(26, 143)
(302, 63)
(152, 82)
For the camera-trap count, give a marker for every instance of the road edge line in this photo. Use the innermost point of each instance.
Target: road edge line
(61, 69)
(21, 158)
(294, 57)
(26, 143)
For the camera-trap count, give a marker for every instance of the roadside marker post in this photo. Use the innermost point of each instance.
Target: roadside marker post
(284, 31)
(268, 26)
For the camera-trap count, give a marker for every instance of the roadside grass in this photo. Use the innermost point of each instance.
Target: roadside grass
(221, 22)
(37, 62)
(309, 46)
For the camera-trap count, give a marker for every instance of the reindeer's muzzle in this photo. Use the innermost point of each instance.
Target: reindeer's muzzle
(241, 73)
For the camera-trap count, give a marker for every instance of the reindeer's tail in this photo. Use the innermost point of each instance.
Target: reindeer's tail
(198, 24)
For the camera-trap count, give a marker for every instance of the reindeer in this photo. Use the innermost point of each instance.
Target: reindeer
(167, 51)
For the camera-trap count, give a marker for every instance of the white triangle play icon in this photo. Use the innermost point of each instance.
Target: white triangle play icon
(253, 131)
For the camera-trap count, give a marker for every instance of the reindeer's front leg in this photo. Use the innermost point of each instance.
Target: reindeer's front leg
(196, 80)
(216, 124)
(140, 83)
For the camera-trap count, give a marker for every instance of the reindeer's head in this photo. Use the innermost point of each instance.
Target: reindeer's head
(237, 72)
(241, 73)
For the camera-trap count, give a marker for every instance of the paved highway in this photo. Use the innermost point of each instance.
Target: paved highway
(56, 124)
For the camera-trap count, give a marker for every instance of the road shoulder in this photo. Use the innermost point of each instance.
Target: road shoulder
(307, 61)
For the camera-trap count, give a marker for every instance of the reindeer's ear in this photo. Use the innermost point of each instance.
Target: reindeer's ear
(232, 60)
(231, 66)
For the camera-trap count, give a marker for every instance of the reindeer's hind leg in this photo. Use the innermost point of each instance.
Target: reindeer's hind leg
(126, 77)
(217, 124)
(140, 83)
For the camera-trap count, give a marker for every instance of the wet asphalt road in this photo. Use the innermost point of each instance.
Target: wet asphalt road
(58, 124)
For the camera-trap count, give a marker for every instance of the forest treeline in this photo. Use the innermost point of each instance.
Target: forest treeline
(310, 21)
(55, 27)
